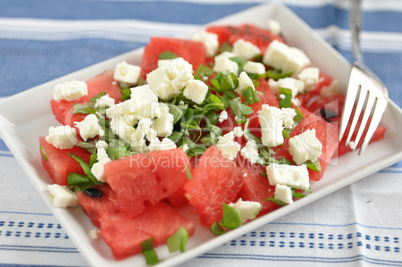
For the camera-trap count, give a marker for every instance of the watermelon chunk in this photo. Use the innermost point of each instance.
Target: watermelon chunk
(191, 51)
(147, 177)
(325, 132)
(98, 208)
(256, 187)
(215, 180)
(103, 82)
(59, 164)
(125, 235)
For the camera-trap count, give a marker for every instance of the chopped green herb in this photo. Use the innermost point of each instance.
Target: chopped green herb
(240, 62)
(203, 71)
(231, 217)
(273, 74)
(250, 96)
(314, 165)
(176, 136)
(167, 55)
(264, 174)
(188, 173)
(43, 153)
(249, 136)
(177, 111)
(93, 99)
(149, 252)
(85, 167)
(285, 133)
(125, 93)
(75, 178)
(178, 240)
(216, 229)
(285, 97)
(87, 146)
(276, 201)
(225, 47)
(83, 109)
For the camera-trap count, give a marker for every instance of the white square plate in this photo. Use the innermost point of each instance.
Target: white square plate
(21, 130)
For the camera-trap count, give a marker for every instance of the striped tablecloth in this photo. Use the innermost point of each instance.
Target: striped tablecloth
(359, 225)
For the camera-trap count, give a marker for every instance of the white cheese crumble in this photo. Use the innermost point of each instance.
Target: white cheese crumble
(274, 26)
(332, 89)
(89, 127)
(305, 146)
(250, 151)
(164, 124)
(165, 144)
(271, 122)
(282, 57)
(103, 158)
(225, 65)
(169, 79)
(196, 91)
(293, 84)
(228, 146)
(238, 131)
(63, 197)
(104, 102)
(70, 91)
(62, 137)
(288, 115)
(309, 76)
(248, 209)
(127, 73)
(245, 49)
(290, 175)
(223, 116)
(244, 83)
(210, 41)
(283, 193)
(254, 67)
(94, 234)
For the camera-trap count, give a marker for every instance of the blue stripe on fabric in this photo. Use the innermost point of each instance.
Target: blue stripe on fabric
(321, 17)
(3, 146)
(39, 248)
(339, 225)
(56, 59)
(26, 213)
(162, 11)
(302, 258)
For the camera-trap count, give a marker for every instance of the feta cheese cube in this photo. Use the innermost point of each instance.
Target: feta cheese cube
(164, 124)
(333, 88)
(283, 193)
(209, 39)
(244, 83)
(104, 102)
(290, 175)
(305, 146)
(223, 116)
(174, 67)
(165, 144)
(248, 209)
(225, 65)
(127, 73)
(250, 151)
(62, 137)
(119, 127)
(238, 131)
(282, 57)
(63, 197)
(97, 168)
(245, 49)
(274, 26)
(70, 91)
(254, 67)
(159, 82)
(141, 134)
(89, 127)
(271, 121)
(309, 76)
(293, 84)
(288, 115)
(196, 91)
(228, 146)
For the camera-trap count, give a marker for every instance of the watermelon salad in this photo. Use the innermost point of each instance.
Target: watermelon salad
(233, 123)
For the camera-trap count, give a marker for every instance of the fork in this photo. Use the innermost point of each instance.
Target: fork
(365, 93)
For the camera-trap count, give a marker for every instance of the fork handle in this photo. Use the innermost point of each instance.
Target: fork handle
(355, 20)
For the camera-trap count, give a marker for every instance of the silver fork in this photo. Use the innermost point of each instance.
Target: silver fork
(365, 90)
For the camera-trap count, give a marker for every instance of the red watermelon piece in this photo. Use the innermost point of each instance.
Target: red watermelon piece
(98, 208)
(59, 164)
(257, 188)
(191, 51)
(147, 177)
(103, 82)
(215, 180)
(125, 235)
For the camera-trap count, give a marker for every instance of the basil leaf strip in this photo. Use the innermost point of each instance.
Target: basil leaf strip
(178, 240)
(285, 97)
(167, 55)
(149, 252)
(231, 217)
